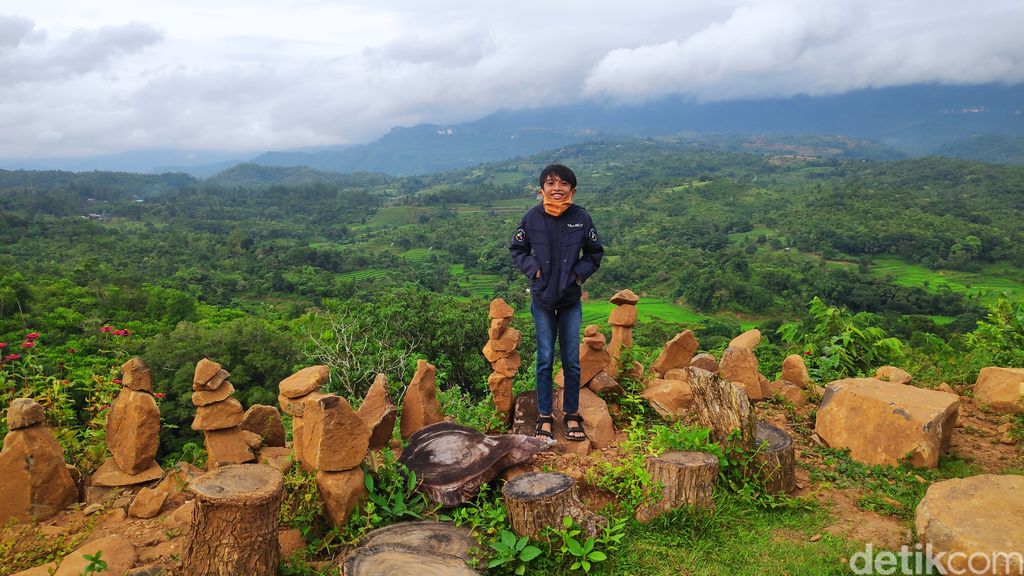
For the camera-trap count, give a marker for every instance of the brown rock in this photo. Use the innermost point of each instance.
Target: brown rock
(133, 428)
(41, 570)
(749, 339)
(253, 440)
(493, 355)
(24, 412)
(118, 553)
(882, 422)
(277, 457)
(795, 372)
(622, 337)
(943, 387)
(597, 421)
(974, 518)
(177, 478)
(420, 406)
(499, 309)
(341, 493)
(705, 362)
(379, 413)
(626, 296)
(135, 375)
(501, 390)
(623, 315)
(678, 353)
(893, 374)
(265, 421)
(498, 326)
(290, 542)
(207, 397)
(671, 399)
(34, 481)
(206, 369)
(335, 438)
(147, 503)
(1000, 389)
(508, 342)
(595, 341)
(592, 362)
(110, 475)
(297, 406)
(226, 446)
(739, 366)
(507, 366)
(792, 394)
(304, 381)
(591, 330)
(605, 386)
(298, 439)
(219, 415)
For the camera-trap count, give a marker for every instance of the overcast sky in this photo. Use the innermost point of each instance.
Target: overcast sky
(96, 77)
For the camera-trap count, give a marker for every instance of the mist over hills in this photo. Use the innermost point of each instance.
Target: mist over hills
(984, 123)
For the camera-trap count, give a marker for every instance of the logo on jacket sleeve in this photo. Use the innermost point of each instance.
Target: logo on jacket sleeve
(520, 235)
(593, 235)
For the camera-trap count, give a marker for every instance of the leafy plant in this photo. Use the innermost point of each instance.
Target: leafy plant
(392, 497)
(95, 563)
(582, 551)
(626, 477)
(486, 514)
(511, 550)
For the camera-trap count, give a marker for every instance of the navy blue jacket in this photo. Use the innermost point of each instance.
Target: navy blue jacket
(566, 250)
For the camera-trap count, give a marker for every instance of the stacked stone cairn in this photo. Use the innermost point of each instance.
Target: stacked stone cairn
(34, 480)
(668, 391)
(294, 393)
(622, 319)
(219, 416)
(500, 351)
(133, 428)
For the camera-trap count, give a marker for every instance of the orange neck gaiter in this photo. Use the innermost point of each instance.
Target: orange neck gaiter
(557, 207)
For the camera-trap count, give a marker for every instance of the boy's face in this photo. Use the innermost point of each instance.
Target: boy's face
(557, 189)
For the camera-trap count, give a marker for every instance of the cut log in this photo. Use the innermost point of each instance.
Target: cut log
(536, 500)
(686, 479)
(398, 561)
(775, 460)
(452, 461)
(234, 522)
(443, 537)
(723, 407)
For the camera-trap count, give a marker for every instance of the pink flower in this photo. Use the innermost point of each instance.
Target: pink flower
(29, 344)
(3, 345)
(121, 332)
(808, 353)
(116, 380)
(160, 395)
(12, 357)
(72, 350)
(106, 329)
(31, 335)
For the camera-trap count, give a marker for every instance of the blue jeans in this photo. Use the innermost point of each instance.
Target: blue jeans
(563, 323)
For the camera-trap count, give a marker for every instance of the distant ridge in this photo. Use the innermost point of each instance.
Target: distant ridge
(251, 175)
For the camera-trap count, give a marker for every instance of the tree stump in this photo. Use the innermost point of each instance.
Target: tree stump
(686, 478)
(536, 500)
(234, 523)
(443, 537)
(775, 460)
(723, 407)
(399, 561)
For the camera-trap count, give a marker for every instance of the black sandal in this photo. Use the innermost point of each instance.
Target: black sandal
(574, 433)
(540, 431)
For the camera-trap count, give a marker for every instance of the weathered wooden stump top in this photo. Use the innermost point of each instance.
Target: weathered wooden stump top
(398, 561)
(776, 438)
(239, 484)
(443, 537)
(536, 486)
(688, 458)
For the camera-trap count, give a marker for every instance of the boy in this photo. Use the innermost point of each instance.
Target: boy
(557, 247)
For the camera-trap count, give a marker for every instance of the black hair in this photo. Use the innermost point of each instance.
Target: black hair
(563, 173)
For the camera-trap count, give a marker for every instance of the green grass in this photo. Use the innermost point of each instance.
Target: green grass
(365, 274)
(648, 309)
(993, 279)
(479, 285)
(396, 216)
(421, 254)
(508, 178)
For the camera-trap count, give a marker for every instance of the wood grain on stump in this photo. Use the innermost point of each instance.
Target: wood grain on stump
(234, 522)
(443, 537)
(723, 407)
(399, 561)
(686, 478)
(536, 500)
(775, 460)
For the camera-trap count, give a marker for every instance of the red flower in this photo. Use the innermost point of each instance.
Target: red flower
(29, 344)
(116, 380)
(160, 395)
(808, 353)
(3, 345)
(121, 332)
(106, 329)
(12, 357)
(31, 335)
(72, 350)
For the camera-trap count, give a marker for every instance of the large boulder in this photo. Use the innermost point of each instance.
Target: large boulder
(34, 481)
(207, 397)
(227, 446)
(24, 412)
(739, 366)
(304, 381)
(335, 438)
(133, 428)
(1001, 389)
(882, 422)
(227, 413)
(972, 525)
(420, 407)
(678, 353)
(623, 315)
(749, 339)
(671, 399)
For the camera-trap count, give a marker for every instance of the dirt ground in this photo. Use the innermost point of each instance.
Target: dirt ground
(980, 438)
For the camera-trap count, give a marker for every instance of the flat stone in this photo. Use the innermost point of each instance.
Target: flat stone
(677, 353)
(626, 296)
(207, 397)
(623, 315)
(110, 475)
(508, 341)
(498, 326)
(508, 366)
(135, 375)
(24, 412)
(976, 517)
(206, 369)
(500, 309)
(605, 386)
(1000, 389)
(882, 422)
(277, 457)
(671, 399)
(304, 381)
(147, 503)
(219, 415)
(297, 406)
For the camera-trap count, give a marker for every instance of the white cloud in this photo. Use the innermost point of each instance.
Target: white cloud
(81, 78)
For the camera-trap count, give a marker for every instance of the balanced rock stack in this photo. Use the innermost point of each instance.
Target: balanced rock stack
(133, 428)
(668, 392)
(219, 416)
(34, 480)
(334, 443)
(500, 351)
(294, 392)
(622, 319)
(739, 365)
